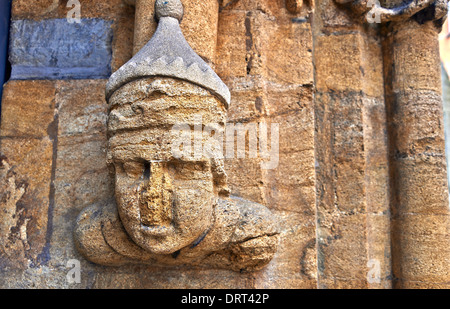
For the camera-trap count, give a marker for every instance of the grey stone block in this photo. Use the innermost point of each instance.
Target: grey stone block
(57, 49)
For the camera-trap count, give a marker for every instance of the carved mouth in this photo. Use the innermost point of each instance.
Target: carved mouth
(157, 230)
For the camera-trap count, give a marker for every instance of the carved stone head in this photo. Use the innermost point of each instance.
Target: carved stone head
(172, 205)
(165, 202)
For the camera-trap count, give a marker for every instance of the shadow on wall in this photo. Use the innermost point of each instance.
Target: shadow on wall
(444, 50)
(5, 68)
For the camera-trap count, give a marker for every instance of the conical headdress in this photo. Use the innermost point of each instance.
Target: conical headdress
(169, 54)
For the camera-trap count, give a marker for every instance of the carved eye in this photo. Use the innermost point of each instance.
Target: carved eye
(137, 109)
(192, 170)
(134, 169)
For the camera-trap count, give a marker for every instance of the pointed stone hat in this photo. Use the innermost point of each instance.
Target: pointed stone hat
(169, 54)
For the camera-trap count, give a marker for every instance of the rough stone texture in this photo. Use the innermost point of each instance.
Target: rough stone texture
(27, 195)
(265, 58)
(353, 209)
(56, 49)
(420, 197)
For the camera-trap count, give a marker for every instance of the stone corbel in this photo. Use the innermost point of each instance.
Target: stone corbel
(170, 209)
(372, 11)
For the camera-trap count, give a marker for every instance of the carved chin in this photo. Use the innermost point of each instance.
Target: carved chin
(190, 215)
(157, 239)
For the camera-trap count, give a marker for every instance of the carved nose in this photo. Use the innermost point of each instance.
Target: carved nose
(156, 197)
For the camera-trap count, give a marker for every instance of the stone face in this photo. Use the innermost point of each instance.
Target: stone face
(158, 193)
(57, 49)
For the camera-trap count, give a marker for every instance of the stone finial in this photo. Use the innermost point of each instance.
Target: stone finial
(168, 54)
(169, 8)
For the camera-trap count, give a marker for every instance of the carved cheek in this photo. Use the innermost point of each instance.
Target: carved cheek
(127, 186)
(193, 207)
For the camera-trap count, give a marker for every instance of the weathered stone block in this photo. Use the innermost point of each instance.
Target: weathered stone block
(422, 240)
(341, 75)
(231, 45)
(34, 101)
(247, 101)
(295, 263)
(350, 187)
(296, 130)
(342, 247)
(298, 199)
(26, 201)
(342, 64)
(288, 53)
(291, 98)
(291, 185)
(412, 195)
(47, 9)
(248, 184)
(57, 49)
(82, 107)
